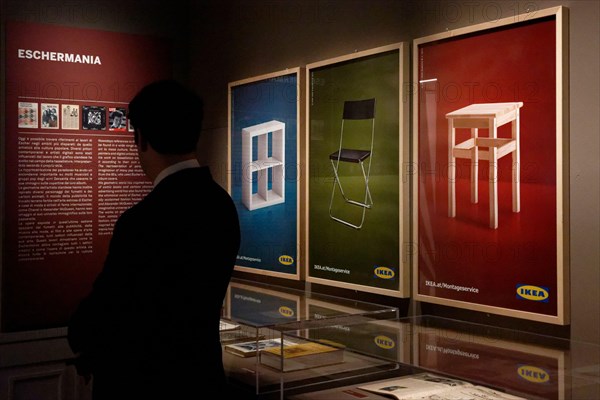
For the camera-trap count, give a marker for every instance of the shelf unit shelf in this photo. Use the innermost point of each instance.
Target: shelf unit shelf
(264, 197)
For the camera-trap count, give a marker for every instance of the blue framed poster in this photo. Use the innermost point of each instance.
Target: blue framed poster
(264, 125)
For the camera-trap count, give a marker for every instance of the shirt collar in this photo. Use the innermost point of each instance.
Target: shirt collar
(171, 169)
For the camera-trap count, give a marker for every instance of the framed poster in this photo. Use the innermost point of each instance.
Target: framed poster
(67, 177)
(490, 139)
(357, 144)
(264, 126)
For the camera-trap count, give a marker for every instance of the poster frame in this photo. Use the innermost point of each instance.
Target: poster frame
(300, 196)
(403, 289)
(560, 13)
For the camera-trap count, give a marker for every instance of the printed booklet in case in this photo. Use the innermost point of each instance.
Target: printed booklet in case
(249, 349)
(302, 356)
(428, 386)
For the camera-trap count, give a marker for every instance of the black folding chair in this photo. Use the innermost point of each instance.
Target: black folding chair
(354, 110)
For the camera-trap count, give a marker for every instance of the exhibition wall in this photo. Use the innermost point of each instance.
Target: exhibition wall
(217, 42)
(66, 176)
(226, 44)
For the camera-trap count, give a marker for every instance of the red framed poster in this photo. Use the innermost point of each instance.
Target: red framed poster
(70, 163)
(490, 144)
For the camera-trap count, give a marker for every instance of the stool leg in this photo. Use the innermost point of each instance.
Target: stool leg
(493, 179)
(451, 170)
(516, 158)
(474, 168)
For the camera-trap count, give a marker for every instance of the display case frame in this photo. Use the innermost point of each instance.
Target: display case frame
(540, 290)
(330, 83)
(271, 243)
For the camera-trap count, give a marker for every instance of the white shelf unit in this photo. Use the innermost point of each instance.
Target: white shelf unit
(264, 197)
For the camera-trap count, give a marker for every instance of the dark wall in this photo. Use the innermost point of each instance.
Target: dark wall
(146, 17)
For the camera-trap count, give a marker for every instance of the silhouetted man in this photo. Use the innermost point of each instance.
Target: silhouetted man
(150, 326)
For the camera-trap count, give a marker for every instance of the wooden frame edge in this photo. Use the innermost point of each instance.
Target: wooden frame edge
(507, 312)
(562, 161)
(523, 17)
(355, 286)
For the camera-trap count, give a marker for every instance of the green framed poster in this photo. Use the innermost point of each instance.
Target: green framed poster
(357, 143)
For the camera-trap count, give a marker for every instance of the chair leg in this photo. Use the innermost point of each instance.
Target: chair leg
(336, 182)
(368, 202)
(365, 205)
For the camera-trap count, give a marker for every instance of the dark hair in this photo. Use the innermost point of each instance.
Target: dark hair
(168, 116)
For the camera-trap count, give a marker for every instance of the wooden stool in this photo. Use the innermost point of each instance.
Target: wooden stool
(488, 116)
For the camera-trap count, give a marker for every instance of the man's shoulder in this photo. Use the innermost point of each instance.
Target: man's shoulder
(196, 182)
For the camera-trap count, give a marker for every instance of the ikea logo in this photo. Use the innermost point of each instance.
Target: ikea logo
(286, 260)
(534, 293)
(384, 272)
(286, 311)
(384, 342)
(533, 374)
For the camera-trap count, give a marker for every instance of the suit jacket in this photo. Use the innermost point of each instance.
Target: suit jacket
(151, 322)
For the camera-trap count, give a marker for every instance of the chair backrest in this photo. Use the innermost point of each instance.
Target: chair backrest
(359, 109)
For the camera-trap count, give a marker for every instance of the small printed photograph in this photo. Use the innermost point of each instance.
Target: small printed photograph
(393, 388)
(94, 118)
(28, 115)
(49, 116)
(117, 119)
(70, 116)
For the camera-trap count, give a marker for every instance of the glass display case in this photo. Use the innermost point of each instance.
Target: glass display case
(259, 317)
(471, 360)
(334, 348)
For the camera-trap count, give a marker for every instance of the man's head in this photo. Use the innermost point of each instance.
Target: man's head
(168, 117)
